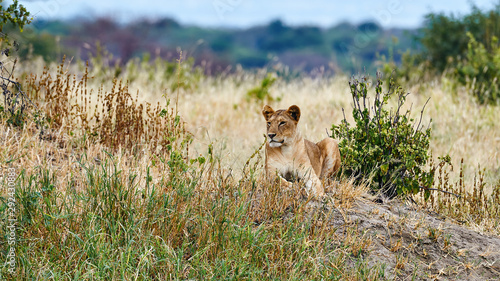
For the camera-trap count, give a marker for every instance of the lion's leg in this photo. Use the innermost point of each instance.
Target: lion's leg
(314, 186)
(285, 183)
(331, 157)
(273, 176)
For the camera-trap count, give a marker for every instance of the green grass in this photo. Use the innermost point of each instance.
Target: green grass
(169, 204)
(105, 224)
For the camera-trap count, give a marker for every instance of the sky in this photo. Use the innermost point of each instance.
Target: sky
(246, 13)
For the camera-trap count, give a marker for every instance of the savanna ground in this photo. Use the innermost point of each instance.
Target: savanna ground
(123, 191)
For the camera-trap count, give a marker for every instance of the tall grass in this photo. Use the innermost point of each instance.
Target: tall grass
(118, 189)
(104, 222)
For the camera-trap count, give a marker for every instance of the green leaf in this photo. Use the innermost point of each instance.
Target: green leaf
(427, 194)
(384, 168)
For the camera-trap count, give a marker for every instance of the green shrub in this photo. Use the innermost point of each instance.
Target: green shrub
(15, 14)
(384, 146)
(480, 70)
(261, 93)
(444, 37)
(14, 103)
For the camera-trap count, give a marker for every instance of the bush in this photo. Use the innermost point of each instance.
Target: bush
(14, 102)
(445, 37)
(481, 69)
(114, 118)
(385, 146)
(261, 93)
(15, 14)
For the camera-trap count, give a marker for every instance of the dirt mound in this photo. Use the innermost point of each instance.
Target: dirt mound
(415, 245)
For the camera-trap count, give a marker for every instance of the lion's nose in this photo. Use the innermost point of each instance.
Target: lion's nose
(271, 136)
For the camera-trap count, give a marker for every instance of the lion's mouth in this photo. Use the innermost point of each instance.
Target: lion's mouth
(274, 143)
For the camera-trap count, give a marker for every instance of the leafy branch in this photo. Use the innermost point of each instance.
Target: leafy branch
(385, 146)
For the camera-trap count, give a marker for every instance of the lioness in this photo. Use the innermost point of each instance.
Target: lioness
(295, 158)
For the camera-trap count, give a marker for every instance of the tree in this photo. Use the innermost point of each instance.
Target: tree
(15, 14)
(15, 102)
(445, 37)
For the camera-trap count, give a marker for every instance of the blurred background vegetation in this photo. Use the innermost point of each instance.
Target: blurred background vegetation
(442, 41)
(345, 47)
(462, 46)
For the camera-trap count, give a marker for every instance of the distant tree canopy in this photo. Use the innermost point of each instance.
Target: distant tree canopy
(303, 47)
(445, 38)
(279, 38)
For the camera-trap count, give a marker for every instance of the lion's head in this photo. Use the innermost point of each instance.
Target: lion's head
(281, 124)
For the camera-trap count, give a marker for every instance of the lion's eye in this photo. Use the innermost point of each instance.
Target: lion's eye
(282, 123)
(269, 124)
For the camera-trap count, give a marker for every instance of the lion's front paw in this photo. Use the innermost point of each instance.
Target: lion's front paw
(315, 189)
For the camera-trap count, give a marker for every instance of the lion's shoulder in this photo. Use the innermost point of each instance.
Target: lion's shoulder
(312, 149)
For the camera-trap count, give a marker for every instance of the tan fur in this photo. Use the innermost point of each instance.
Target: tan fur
(294, 158)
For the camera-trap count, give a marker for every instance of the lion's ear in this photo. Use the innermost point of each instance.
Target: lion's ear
(267, 111)
(294, 112)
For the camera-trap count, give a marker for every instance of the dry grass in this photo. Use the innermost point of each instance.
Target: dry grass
(217, 111)
(125, 213)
